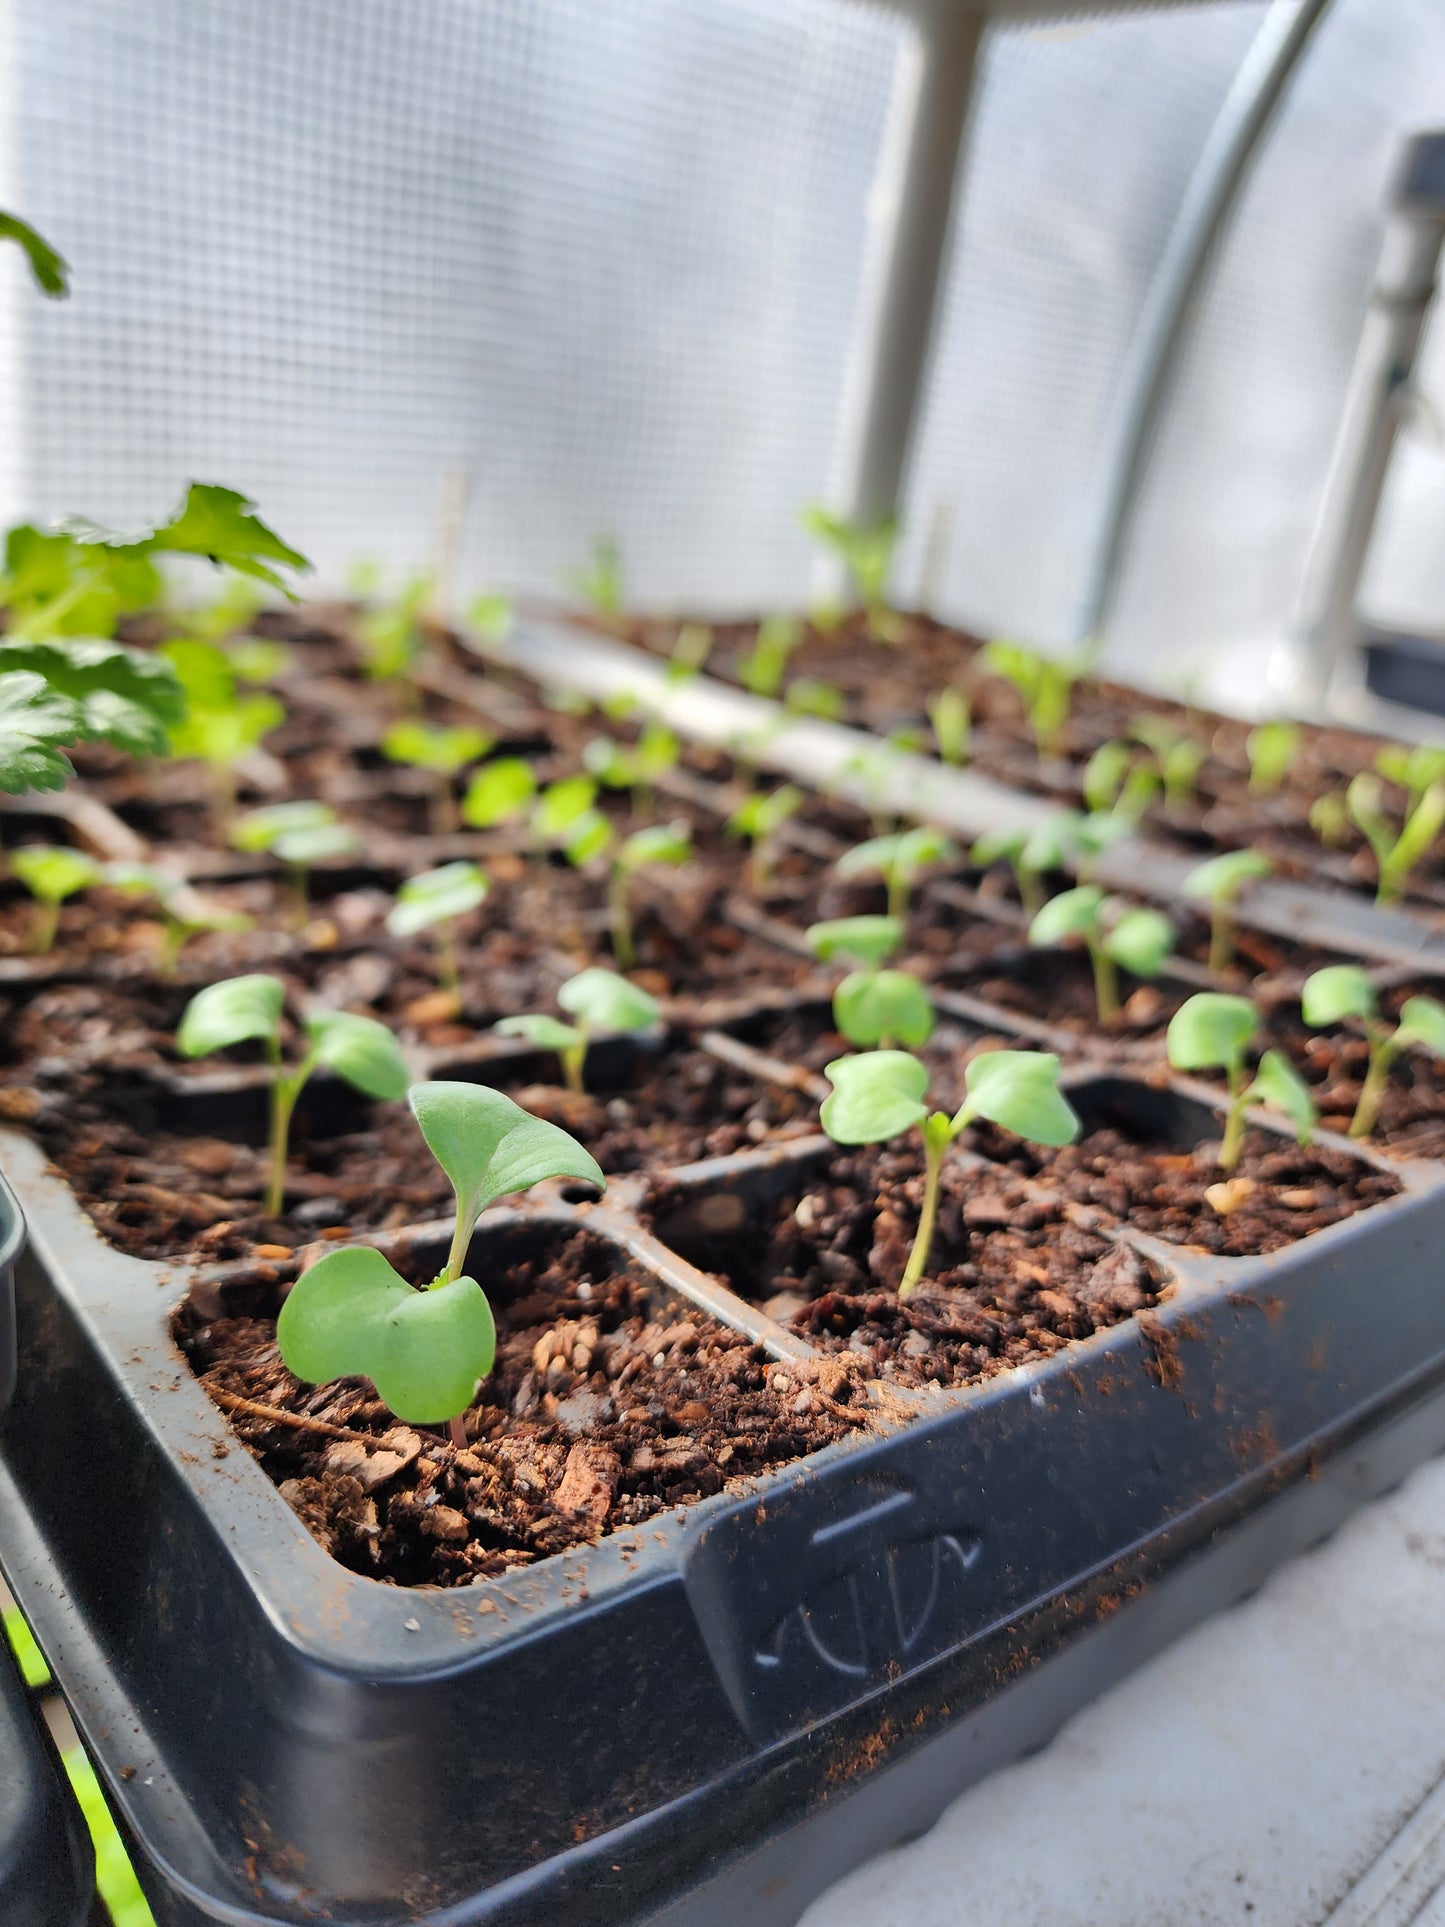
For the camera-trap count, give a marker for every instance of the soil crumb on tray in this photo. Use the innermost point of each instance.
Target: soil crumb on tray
(1011, 1277)
(611, 1401)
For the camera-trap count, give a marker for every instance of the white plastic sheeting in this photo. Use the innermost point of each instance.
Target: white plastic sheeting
(606, 260)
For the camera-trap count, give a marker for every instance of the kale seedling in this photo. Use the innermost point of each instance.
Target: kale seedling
(1396, 851)
(426, 1352)
(391, 637)
(186, 915)
(1344, 990)
(599, 1000)
(866, 552)
(357, 1048)
(442, 753)
(659, 843)
(950, 715)
(499, 792)
(433, 901)
(1121, 778)
(51, 873)
(1066, 839)
(880, 1094)
(565, 818)
(220, 725)
(762, 668)
(1218, 882)
(1045, 684)
(1113, 933)
(1414, 769)
(873, 1006)
(1214, 1032)
(299, 834)
(1178, 755)
(1271, 749)
(637, 769)
(900, 858)
(759, 819)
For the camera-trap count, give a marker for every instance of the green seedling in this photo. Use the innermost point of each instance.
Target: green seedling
(1114, 933)
(1397, 851)
(442, 753)
(759, 820)
(300, 835)
(1178, 755)
(230, 612)
(1344, 990)
(873, 1006)
(1214, 1032)
(1121, 779)
(1062, 841)
(637, 768)
(1414, 769)
(185, 914)
(810, 696)
(659, 843)
(1044, 683)
(241, 1009)
(47, 269)
(566, 818)
(51, 873)
(391, 638)
(762, 668)
(220, 725)
(600, 583)
(899, 858)
(880, 1094)
(690, 650)
(491, 616)
(1329, 818)
(951, 716)
(1271, 749)
(257, 660)
(599, 1000)
(866, 552)
(1218, 883)
(426, 1352)
(433, 901)
(499, 792)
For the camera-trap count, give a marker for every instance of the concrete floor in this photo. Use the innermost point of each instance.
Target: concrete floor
(1282, 1766)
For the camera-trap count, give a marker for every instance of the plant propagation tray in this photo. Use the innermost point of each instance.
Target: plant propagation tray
(718, 1675)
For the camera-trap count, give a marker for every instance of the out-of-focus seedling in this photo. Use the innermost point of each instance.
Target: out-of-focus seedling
(442, 753)
(433, 901)
(221, 725)
(51, 873)
(866, 552)
(391, 637)
(1218, 882)
(659, 843)
(1121, 778)
(689, 653)
(759, 819)
(299, 835)
(1113, 932)
(598, 1000)
(1212, 1031)
(636, 768)
(241, 1009)
(491, 616)
(1271, 749)
(1065, 840)
(1179, 757)
(599, 582)
(1045, 685)
(950, 716)
(499, 792)
(1343, 991)
(810, 696)
(1414, 768)
(1397, 850)
(873, 1006)
(1329, 818)
(427, 1352)
(763, 667)
(186, 915)
(880, 1094)
(899, 858)
(565, 818)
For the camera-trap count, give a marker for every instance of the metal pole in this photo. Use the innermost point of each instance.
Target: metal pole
(1255, 92)
(909, 214)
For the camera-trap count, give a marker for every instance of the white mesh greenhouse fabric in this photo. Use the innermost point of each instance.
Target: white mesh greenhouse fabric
(606, 259)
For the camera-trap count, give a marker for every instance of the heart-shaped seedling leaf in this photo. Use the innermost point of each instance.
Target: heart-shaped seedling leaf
(351, 1315)
(359, 1049)
(904, 853)
(260, 829)
(1073, 913)
(605, 1001)
(586, 836)
(231, 1013)
(874, 1096)
(52, 873)
(1141, 941)
(488, 1146)
(1211, 1032)
(444, 751)
(1342, 990)
(1019, 1089)
(1279, 1084)
(1422, 1021)
(547, 1033)
(999, 846)
(499, 792)
(436, 896)
(877, 1006)
(658, 843)
(1221, 879)
(561, 803)
(869, 941)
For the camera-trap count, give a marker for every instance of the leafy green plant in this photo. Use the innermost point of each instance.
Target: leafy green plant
(880, 1094)
(185, 914)
(48, 271)
(658, 843)
(51, 873)
(1343, 991)
(1271, 749)
(241, 1009)
(599, 582)
(866, 552)
(433, 901)
(1045, 685)
(443, 753)
(873, 1005)
(426, 1352)
(299, 834)
(220, 725)
(899, 858)
(1413, 768)
(759, 819)
(501, 791)
(1218, 882)
(950, 714)
(1114, 933)
(1212, 1031)
(598, 1000)
(1179, 757)
(762, 668)
(1397, 850)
